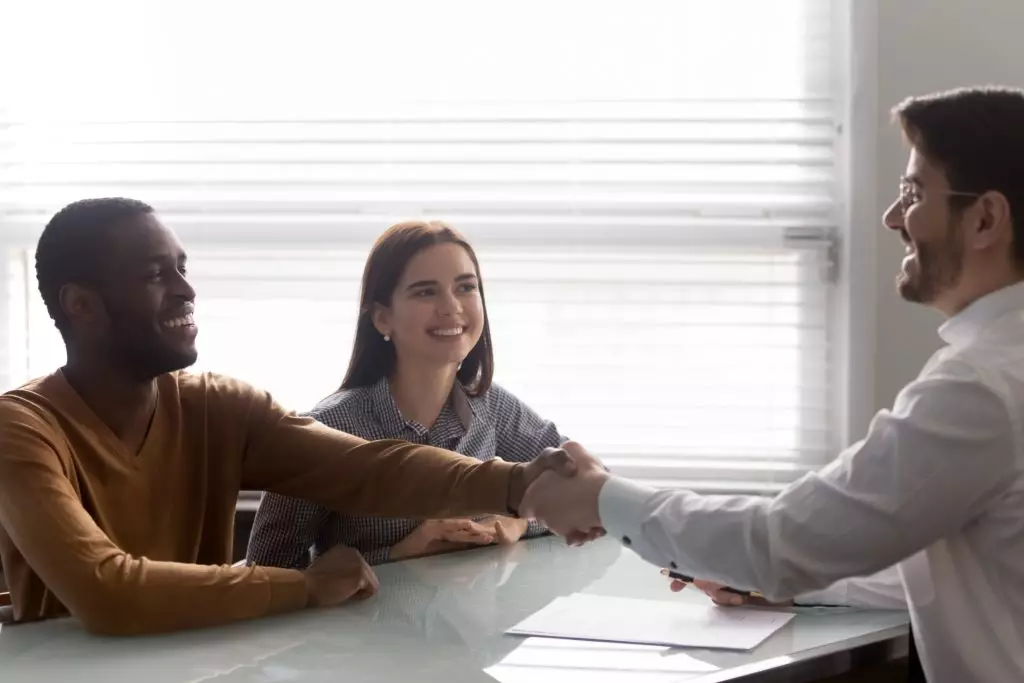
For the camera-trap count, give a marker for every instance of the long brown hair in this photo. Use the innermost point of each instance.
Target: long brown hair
(372, 357)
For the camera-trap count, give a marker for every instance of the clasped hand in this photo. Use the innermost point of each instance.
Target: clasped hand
(568, 506)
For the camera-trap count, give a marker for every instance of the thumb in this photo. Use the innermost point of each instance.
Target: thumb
(559, 460)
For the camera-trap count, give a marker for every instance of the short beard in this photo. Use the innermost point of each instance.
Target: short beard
(939, 269)
(145, 357)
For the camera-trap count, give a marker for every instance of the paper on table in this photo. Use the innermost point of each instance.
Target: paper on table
(652, 622)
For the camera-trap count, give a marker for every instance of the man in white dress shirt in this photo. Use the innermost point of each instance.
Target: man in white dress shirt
(937, 485)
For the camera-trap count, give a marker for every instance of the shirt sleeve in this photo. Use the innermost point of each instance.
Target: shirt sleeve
(283, 531)
(107, 589)
(378, 555)
(300, 457)
(924, 471)
(882, 590)
(521, 434)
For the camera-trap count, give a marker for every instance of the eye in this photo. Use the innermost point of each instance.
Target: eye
(423, 293)
(909, 195)
(467, 287)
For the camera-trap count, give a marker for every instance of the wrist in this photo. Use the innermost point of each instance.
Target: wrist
(399, 551)
(523, 525)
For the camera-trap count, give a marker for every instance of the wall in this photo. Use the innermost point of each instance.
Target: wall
(922, 46)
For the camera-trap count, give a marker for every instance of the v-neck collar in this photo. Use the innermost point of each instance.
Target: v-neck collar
(70, 401)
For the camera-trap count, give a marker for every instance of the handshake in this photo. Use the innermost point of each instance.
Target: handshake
(561, 490)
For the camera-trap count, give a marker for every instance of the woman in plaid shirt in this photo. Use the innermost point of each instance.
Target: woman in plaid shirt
(420, 371)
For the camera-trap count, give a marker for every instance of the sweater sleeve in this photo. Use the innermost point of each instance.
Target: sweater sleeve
(300, 457)
(108, 590)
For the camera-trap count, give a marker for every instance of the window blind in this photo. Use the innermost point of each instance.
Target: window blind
(650, 187)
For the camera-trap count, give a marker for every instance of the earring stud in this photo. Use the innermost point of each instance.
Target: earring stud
(387, 337)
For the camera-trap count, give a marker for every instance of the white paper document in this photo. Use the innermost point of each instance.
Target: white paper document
(652, 622)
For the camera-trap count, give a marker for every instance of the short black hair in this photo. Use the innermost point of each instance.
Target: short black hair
(976, 135)
(71, 247)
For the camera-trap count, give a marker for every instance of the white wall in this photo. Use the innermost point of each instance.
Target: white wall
(922, 46)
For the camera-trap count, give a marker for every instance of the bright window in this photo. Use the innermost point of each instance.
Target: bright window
(650, 186)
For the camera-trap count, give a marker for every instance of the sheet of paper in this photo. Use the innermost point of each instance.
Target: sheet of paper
(652, 622)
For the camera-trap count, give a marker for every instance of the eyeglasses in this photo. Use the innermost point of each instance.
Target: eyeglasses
(910, 194)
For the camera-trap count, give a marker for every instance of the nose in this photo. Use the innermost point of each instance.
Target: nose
(183, 288)
(893, 216)
(449, 304)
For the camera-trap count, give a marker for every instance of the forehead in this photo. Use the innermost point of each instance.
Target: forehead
(439, 262)
(140, 239)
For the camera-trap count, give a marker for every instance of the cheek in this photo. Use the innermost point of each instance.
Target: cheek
(412, 317)
(474, 310)
(924, 223)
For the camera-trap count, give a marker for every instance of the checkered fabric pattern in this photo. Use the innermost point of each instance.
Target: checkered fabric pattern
(289, 532)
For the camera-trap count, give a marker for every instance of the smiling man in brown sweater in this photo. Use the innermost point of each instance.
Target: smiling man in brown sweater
(119, 473)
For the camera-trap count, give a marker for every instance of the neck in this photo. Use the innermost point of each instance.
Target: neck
(123, 403)
(421, 392)
(985, 282)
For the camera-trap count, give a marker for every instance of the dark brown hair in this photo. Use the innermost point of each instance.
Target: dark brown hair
(372, 357)
(976, 135)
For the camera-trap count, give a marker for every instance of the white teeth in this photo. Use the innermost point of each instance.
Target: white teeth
(450, 332)
(179, 322)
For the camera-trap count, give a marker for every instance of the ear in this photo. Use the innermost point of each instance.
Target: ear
(992, 224)
(380, 316)
(81, 305)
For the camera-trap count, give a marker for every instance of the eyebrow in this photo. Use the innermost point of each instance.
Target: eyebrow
(164, 257)
(434, 283)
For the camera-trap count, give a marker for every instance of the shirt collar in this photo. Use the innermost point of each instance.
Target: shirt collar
(386, 410)
(965, 326)
(466, 407)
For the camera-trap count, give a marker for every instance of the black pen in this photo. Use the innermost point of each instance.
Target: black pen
(689, 579)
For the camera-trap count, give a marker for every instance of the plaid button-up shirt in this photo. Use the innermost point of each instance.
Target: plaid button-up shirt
(289, 532)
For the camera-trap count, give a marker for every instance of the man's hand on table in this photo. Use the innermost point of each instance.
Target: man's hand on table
(340, 574)
(568, 506)
(720, 595)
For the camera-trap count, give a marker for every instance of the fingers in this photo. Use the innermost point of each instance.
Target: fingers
(718, 594)
(503, 534)
(371, 577)
(465, 531)
(676, 585)
(369, 584)
(559, 461)
(474, 533)
(709, 587)
(577, 538)
(580, 456)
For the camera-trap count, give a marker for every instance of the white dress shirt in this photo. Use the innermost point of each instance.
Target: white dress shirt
(937, 486)
(883, 590)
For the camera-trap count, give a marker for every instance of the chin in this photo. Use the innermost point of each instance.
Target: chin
(172, 361)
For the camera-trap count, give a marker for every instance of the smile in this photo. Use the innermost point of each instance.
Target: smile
(183, 321)
(448, 332)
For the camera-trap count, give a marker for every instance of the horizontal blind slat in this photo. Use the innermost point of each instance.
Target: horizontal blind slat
(655, 219)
